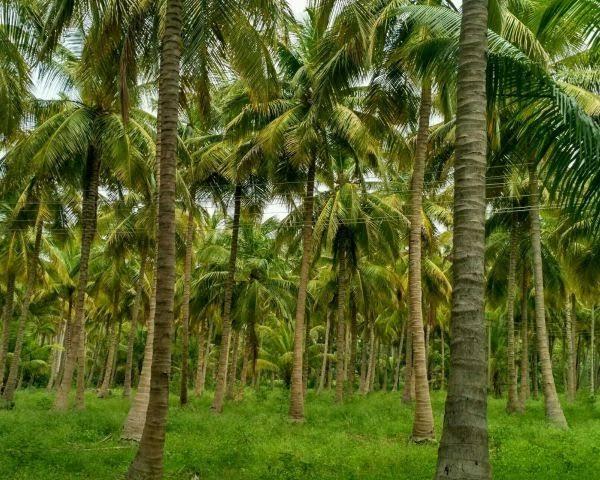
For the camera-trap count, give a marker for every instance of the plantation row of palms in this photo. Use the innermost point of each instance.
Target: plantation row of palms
(382, 195)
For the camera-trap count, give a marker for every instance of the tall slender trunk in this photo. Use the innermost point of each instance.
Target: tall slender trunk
(574, 339)
(408, 389)
(570, 351)
(232, 376)
(364, 359)
(221, 386)
(112, 348)
(443, 360)
(206, 359)
(423, 428)
(352, 350)
(399, 359)
(534, 375)
(325, 353)
(245, 365)
(67, 340)
(463, 452)
(373, 366)
(148, 463)
(592, 341)
(305, 364)
(32, 261)
(198, 385)
(296, 391)
(525, 390)
(340, 374)
(386, 358)
(512, 404)
(134, 317)
(185, 307)
(57, 353)
(7, 314)
(88, 231)
(554, 411)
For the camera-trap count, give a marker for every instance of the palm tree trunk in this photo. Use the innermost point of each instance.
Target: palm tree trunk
(88, 231)
(570, 351)
(340, 374)
(373, 366)
(443, 360)
(592, 341)
(113, 372)
(148, 463)
(463, 452)
(386, 358)
(325, 353)
(554, 411)
(112, 348)
(423, 428)
(408, 389)
(11, 381)
(399, 359)
(221, 386)
(305, 364)
(525, 390)
(352, 350)
(7, 314)
(133, 329)
(136, 418)
(185, 307)
(198, 385)
(296, 412)
(57, 353)
(513, 402)
(364, 361)
(245, 365)
(232, 376)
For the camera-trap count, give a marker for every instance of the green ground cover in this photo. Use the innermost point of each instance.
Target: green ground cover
(366, 438)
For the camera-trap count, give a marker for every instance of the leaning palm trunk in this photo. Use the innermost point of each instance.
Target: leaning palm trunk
(185, 307)
(554, 411)
(296, 391)
(136, 418)
(148, 462)
(88, 231)
(221, 386)
(463, 452)
(11, 381)
(340, 374)
(7, 313)
(570, 351)
(423, 428)
(325, 353)
(513, 401)
(134, 316)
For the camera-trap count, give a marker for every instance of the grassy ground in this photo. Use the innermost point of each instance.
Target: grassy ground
(363, 439)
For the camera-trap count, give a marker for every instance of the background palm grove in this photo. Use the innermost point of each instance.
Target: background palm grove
(322, 228)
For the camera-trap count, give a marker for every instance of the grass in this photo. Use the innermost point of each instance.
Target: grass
(364, 439)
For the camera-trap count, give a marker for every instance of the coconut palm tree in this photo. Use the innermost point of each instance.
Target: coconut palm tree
(466, 400)
(148, 462)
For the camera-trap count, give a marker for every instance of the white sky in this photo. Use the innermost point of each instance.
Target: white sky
(298, 7)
